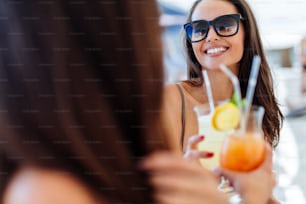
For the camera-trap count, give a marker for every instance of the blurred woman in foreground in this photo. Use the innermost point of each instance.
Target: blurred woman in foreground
(80, 93)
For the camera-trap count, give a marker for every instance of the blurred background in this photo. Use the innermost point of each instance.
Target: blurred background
(282, 25)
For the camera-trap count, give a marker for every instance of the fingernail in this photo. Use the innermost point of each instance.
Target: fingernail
(202, 137)
(209, 154)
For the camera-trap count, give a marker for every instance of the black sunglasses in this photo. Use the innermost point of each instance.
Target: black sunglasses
(224, 26)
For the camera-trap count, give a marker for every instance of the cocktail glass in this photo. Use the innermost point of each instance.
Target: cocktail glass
(244, 148)
(213, 138)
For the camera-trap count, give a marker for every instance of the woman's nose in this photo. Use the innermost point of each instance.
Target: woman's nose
(212, 35)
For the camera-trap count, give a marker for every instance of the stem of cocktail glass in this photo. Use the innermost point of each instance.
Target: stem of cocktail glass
(208, 91)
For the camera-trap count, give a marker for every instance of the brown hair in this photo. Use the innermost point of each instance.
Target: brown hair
(81, 91)
(264, 93)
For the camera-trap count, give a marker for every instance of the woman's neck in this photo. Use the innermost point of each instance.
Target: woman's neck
(221, 85)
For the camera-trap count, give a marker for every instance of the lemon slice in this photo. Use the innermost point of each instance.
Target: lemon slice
(225, 117)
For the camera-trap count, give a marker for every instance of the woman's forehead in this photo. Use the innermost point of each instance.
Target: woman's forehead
(210, 9)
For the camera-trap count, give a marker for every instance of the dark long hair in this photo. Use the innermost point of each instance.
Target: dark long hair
(80, 89)
(264, 93)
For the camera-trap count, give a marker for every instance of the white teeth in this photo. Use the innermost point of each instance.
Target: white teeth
(215, 50)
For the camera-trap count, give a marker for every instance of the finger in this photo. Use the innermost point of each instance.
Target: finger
(178, 198)
(155, 160)
(185, 190)
(195, 154)
(162, 198)
(169, 182)
(167, 162)
(193, 141)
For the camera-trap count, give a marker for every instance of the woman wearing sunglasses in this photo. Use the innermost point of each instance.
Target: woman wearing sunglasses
(219, 32)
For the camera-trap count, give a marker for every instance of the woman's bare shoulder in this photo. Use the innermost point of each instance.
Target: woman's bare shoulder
(171, 101)
(171, 94)
(191, 94)
(174, 88)
(39, 186)
(171, 88)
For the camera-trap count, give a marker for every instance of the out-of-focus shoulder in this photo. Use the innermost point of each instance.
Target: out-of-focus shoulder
(171, 115)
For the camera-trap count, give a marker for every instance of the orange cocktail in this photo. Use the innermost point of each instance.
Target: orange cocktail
(245, 150)
(242, 153)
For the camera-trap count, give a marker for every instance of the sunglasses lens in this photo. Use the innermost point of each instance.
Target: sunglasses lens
(197, 30)
(226, 25)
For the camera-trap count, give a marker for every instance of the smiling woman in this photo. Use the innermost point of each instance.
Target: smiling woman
(218, 32)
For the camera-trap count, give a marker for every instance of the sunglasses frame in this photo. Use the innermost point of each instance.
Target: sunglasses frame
(237, 17)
